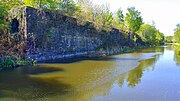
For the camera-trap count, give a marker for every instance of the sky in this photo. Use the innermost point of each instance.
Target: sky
(165, 13)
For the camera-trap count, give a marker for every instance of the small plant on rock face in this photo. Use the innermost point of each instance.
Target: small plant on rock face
(5, 64)
(23, 62)
(10, 63)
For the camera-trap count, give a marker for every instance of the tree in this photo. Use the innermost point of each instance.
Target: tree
(86, 13)
(119, 20)
(159, 38)
(133, 20)
(177, 33)
(69, 7)
(150, 35)
(169, 39)
(106, 16)
(100, 15)
(120, 16)
(43, 4)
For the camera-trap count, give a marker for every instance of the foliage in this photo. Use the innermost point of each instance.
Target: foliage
(169, 39)
(177, 33)
(118, 21)
(150, 35)
(3, 14)
(9, 4)
(133, 20)
(7, 64)
(42, 4)
(86, 13)
(105, 16)
(100, 15)
(67, 7)
(23, 62)
(159, 38)
(10, 63)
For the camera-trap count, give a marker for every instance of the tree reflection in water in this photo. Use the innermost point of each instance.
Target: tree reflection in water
(79, 81)
(176, 54)
(134, 76)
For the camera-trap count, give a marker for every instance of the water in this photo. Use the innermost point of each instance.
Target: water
(148, 75)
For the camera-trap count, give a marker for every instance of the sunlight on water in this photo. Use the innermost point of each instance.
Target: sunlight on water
(126, 77)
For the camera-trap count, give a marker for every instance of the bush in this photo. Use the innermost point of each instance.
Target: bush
(10, 63)
(5, 64)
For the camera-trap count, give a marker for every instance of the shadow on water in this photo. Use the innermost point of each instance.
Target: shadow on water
(38, 70)
(115, 59)
(17, 84)
(83, 58)
(93, 78)
(108, 58)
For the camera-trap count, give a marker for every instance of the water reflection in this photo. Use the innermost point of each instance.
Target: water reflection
(79, 81)
(150, 50)
(134, 76)
(176, 53)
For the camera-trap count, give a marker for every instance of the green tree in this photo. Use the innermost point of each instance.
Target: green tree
(43, 4)
(147, 33)
(69, 7)
(133, 20)
(159, 38)
(100, 15)
(86, 13)
(118, 21)
(169, 39)
(177, 33)
(120, 16)
(106, 16)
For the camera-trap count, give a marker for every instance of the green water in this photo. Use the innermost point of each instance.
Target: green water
(147, 75)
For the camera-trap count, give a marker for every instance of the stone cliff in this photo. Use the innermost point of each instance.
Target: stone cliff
(50, 35)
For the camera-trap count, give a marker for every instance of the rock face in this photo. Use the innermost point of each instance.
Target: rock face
(51, 35)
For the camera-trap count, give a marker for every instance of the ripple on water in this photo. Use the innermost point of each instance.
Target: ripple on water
(92, 75)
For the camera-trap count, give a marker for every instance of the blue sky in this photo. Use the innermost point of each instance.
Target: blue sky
(165, 13)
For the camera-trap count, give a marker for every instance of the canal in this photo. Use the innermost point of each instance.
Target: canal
(151, 74)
